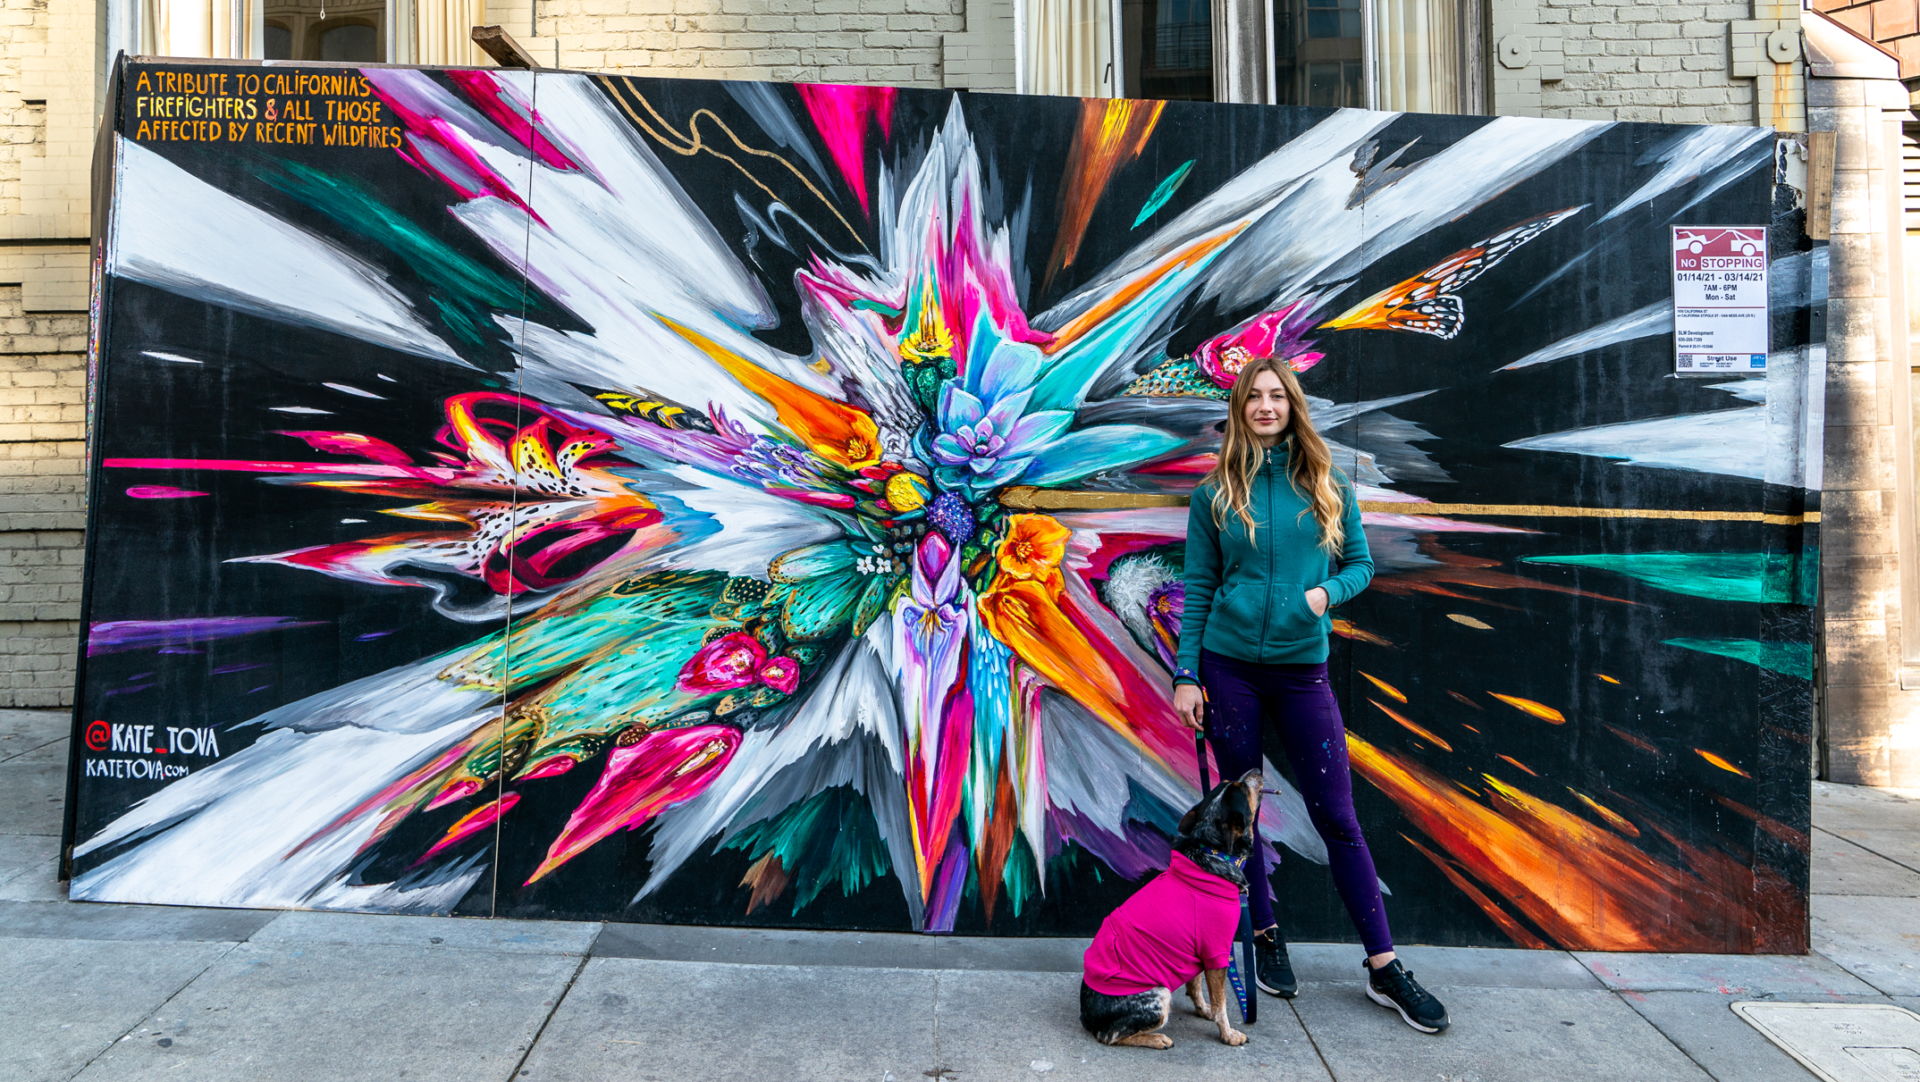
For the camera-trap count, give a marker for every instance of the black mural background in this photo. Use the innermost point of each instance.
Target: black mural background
(171, 559)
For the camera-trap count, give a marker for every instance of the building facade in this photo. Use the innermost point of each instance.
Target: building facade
(1870, 676)
(1839, 69)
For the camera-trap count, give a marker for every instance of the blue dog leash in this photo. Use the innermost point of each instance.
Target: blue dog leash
(1242, 988)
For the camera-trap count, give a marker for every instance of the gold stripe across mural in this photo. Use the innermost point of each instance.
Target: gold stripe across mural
(1540, 510)
(1025, 498)
(1028, 498)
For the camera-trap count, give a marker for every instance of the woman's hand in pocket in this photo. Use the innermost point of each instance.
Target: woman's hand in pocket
(1317, 600)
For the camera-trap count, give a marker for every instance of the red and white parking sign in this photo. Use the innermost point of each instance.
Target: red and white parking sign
(1720, 298)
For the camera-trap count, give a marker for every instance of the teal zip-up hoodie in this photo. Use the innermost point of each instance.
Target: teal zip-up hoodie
(1246, 597)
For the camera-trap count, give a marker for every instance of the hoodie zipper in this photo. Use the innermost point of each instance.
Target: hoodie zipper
(1266, 606)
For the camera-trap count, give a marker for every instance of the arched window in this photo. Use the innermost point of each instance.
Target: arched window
(279, 41)
(351, 42)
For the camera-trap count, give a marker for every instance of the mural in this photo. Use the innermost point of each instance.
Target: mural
(564, 495)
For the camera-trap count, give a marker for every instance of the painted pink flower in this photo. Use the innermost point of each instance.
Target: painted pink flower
(730, 661)
(1280, 333)
(782, 674)
(737, 660)
(640, 782)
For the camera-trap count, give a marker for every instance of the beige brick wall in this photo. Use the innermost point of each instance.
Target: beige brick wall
(42, 431)
(46, 84)
(983, 57)
(1701, 63)
(23, 126)
(54, 64)
(900, 42)
(1652, 62)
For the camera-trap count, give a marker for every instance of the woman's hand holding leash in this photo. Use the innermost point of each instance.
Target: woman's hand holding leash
(1188, 702)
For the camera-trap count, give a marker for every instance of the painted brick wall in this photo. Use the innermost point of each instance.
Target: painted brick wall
(53, 63)
(42, 364)
(900, 42)
(23, 127)
(1701, 63)
(1651, 62)
(42, 430)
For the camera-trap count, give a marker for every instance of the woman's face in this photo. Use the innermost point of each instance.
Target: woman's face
(1268, 410)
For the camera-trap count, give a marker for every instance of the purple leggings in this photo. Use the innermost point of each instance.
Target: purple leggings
(1297, 698)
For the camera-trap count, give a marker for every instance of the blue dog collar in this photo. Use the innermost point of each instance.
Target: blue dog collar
(1238, 862)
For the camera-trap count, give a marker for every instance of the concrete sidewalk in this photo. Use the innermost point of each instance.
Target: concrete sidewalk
(100, 992)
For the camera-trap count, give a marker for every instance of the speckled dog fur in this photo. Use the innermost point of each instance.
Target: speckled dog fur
(1217, 835)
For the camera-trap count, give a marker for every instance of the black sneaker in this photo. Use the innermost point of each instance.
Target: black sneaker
(1273, 970)
(1392, 986)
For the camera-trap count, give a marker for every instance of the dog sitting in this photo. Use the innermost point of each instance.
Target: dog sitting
(1176, 930)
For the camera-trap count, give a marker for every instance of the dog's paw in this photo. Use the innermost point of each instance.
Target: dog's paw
(1233, 1037)
(1157, 1040)
(1202, 1010)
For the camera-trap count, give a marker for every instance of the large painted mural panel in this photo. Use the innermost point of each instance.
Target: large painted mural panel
(563, 495)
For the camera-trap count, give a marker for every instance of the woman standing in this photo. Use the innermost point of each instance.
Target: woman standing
(1273, 543)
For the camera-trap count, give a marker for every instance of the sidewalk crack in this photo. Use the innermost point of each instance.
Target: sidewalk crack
(1322, 1056)
(31, 750)
(1868, 848)
(161, 1006)
(1677, 1047)
(938, 1062)
(541, 1031)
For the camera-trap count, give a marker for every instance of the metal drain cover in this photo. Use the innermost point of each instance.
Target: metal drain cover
(1842, 1042)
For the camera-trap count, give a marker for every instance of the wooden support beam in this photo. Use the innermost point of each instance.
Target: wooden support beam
(1819, 184)
(506, 52)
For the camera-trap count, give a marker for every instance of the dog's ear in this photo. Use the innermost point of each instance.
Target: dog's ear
(1192, 818)
(1198, 813)
(1238, 810)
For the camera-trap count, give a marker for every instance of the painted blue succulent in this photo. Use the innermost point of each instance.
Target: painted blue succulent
(988, 433)
(985, 438)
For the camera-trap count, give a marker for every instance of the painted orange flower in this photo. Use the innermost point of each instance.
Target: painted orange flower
(1029, 618)
(1033, 547)
(833, 430)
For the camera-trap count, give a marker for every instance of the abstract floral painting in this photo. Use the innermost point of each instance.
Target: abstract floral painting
(551, 494)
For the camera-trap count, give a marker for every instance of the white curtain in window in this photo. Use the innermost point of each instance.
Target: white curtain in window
(1070, 48)
(221, 29)
(1417, 55)
(182, 27)
(443, 32)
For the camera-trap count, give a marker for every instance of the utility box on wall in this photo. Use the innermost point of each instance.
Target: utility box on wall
(552, 494)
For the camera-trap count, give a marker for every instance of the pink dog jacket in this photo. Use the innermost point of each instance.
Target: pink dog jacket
(1180, 923)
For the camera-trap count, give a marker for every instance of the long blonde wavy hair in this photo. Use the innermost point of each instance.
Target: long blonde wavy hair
(1310, 466)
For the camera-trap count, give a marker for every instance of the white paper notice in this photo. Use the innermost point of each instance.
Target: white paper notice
(1719, 298)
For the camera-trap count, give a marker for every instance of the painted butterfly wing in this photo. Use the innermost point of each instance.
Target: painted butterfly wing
(1455, 271)
(1426, 303)
(1481, 258)
(1441, 316)
(1464, 266)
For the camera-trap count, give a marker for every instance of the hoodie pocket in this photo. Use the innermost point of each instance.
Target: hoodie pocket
(1291, 618)
(1237, 609)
